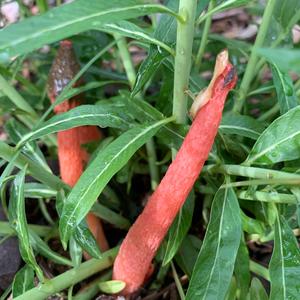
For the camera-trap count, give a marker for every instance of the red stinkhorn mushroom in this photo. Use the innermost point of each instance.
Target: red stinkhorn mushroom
(71, 155)
(146, 234)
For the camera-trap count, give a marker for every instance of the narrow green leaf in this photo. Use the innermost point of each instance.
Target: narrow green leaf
(279, 142)
(242, 270)
(187, 255)
(82, 233)
(286, 13)
(112, 286)
(86, 240)
(23, 281)
(17, 219)
(291, 61)
(8, 153)
(42, 248)
(170, 134)
(131, 30)
(179, 228)
(214, 266)
(286, 95)
(16, 132)
(285, 263)
(38, 190)
(100, 115)
(75, 252)
(257, 290)
(110, 216)
(241, 125)
(67, 20)
(165, 32)
(107, 163)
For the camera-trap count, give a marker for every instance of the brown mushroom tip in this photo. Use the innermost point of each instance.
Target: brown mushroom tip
(66, 44)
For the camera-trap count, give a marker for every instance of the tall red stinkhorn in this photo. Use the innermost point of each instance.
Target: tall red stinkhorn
(146, 234)
(71, 155)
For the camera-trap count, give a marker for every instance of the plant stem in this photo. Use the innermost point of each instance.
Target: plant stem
(7, 153)
(269, 113)
(262, 182)
(70, 277)
(205, 32)
(91, 290)
(42, 5)
(184, 44)
(131, 75)
(268, 197)
(259, 270)
(177, 282)
(251, 172)
(249, 72)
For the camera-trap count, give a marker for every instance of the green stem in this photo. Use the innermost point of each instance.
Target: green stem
(153, 167)
(42, 5)
(269, 113)
(7, 153)
(91, 290)
(249, 72)
(259, 270)
(177, 282)
(70, 277)
(184, 44)
(262, 182)
(205, 33)
(268, 197)
(131, 75)
(250, 172)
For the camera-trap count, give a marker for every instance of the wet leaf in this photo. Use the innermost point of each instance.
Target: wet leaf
(286, 95)
(214, 266)
(279, 142)
(285, 263)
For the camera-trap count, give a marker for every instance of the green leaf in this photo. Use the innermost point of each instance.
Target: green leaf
(179, 228)
(16, 132)
(42, 248)
(112, 286)
(101, 115)
(279, 142)
(133, 31)
(187, 254)
(242, 270)
(286, 95)
(286, 13)
(285, 263)
(165, 32)
(110, 216)
(67, 20)
(214, 266)
(104, 166)
(75, 252)
(170, 134)
(257, 290)
(38, 190)
(241, 125)
(8, 153)
(17, 219)
(81, 234)
(23, 281)
(291, 61)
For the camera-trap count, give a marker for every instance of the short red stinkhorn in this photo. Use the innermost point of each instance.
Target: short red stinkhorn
(71, 155)
(146, 234)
